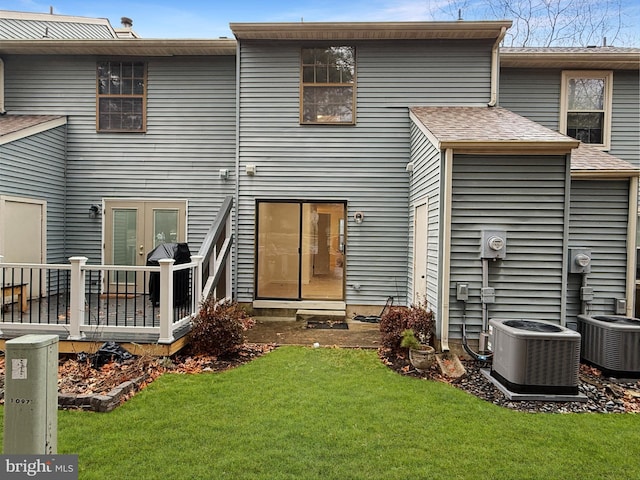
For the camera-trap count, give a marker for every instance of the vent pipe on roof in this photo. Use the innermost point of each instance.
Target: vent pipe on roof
(51, 10)
(126, 22)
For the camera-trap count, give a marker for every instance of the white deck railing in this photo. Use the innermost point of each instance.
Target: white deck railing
(80, 301)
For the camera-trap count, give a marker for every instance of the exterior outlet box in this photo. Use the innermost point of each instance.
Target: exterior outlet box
(31, 395)
(488, 295)
(621, 306)
(586, 294)
(494, 244)
(579, 260)
(462, 292)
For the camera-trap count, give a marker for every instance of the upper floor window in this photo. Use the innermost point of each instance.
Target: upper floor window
(121, 97)
(328, 85)
(586, 106)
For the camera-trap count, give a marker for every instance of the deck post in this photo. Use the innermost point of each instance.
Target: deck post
(77, 303)
(228, 266)
(197, 281)
(166, 300)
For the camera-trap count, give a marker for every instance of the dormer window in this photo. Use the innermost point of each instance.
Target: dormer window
(121, 88)
(327, 90)
(586, 106)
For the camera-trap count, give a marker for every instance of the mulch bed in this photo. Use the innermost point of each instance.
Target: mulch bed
(102, 389)
(604, 394)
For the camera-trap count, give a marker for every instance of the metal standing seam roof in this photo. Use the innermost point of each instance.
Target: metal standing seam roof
(493, 129)
(33, 26)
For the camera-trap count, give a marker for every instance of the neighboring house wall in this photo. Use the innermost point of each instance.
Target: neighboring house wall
(599, 216)
(33, 167)
(363, 164)
(425, 185)
(625, 123)
(535, 94)
(525, 196)
(190, 136)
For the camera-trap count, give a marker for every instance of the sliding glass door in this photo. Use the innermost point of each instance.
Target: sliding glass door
(300, 250)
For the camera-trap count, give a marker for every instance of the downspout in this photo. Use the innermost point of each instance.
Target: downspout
(495, 67)
(2, 110)
(236, 214)
(446, 248)
(631, 243)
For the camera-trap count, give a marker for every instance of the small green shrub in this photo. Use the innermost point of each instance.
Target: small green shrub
(396, 320)
(409, 340)
(219, 328)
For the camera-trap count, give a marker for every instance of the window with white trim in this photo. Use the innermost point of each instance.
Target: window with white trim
(585, 112)
(121, 93)
(327, 85)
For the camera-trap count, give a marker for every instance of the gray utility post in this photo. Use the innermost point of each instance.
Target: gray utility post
(31, 395)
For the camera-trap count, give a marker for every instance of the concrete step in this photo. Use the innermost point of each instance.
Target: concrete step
(321, 315)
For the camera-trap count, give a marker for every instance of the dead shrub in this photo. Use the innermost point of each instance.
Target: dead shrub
(219, 328)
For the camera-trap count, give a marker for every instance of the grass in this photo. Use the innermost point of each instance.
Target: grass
(302, 413)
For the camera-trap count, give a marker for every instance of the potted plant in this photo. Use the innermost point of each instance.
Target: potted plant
(421, 355)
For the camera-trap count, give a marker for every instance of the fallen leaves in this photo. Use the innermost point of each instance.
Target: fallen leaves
(78, 377)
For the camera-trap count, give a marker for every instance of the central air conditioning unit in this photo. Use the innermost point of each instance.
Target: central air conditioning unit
(532, 356)
(611, 343)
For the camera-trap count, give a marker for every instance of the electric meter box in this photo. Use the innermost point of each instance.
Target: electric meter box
(494, 244)
(31, 395)
(579, 260)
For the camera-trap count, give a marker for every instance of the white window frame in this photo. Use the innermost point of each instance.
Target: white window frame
(607, 76)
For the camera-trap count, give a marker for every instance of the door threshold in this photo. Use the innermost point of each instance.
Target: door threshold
(301, 304)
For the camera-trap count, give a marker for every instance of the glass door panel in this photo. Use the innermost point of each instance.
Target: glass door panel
(125, 240)
(322, 251)
(165, 226)
(278, 250)
(300, 250)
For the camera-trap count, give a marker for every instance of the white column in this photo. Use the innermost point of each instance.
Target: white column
(166, 300)
(197, 282)
(76, 309)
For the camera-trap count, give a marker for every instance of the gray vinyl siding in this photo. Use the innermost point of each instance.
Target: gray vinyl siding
(525, 196)
(625, 121)
(363, 164)
(532, 93)
(425, 186)
(190, 137)
(599, 216)
(33, 167)
(535, 94)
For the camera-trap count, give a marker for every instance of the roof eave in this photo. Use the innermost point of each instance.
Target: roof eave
(120, 47)
(368, 30)
(574, 60)
(504, 147)
(604, 173)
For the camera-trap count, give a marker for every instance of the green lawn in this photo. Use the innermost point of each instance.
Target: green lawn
(302, 413)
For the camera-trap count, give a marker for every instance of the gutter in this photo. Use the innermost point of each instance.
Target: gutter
(446, 248)
(236, 209)
(495, 67)
(631, 244)
(2, 110)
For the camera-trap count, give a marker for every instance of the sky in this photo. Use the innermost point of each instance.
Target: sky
(211, 18)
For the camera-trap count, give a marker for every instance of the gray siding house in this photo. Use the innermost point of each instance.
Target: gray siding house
(365, 161)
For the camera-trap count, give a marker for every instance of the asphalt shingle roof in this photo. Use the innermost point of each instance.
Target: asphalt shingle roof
(458, 127)
(15, 123)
